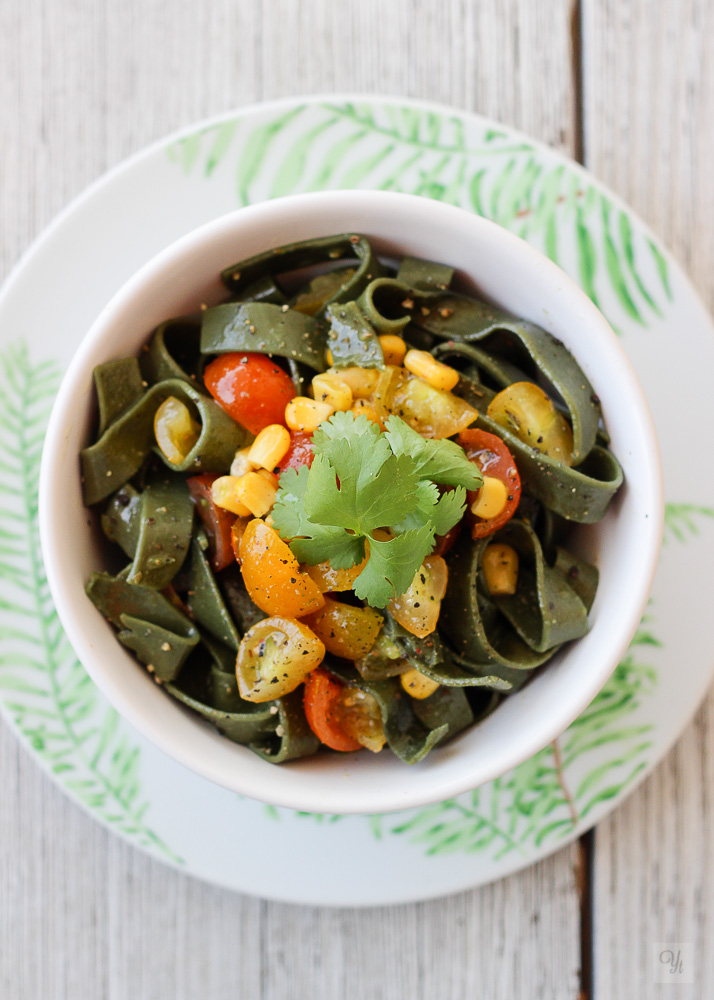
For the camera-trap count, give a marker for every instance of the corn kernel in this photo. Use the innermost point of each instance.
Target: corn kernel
(500, 568)
(418, 685)
(224, 494)
(424, 366)
(362, 381)
(268, 476)
(328, 357)
(362, 408)
(491, 499)
(269, 447)
(241, 462)
(393, 349)
(305, 414)
(331, 389)
(257, 491)
(175, 429)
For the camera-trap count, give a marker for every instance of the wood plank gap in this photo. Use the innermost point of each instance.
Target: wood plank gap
(576, 41)
(586, 881)
(586, 844)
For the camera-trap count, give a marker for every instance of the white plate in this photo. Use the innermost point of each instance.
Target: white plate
(265, 151)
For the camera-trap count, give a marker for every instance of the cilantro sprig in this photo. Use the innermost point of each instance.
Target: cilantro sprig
(362, 480)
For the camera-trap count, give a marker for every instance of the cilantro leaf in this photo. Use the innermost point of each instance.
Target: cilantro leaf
(326, 543)
(444, 462)
(391, 565)
(288, 513)
(311, 542)
(442, 512)
(342, 424)
(375, 487)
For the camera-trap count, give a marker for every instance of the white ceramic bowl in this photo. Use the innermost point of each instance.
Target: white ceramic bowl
(500, 267)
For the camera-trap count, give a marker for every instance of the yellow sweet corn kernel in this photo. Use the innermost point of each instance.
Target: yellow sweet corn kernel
(257, 491)
(305, 414)
(393, 349)
(362, 381)
(269, 447)
(418, 685)
(427, 368)
(241, 462)
(224, 494)
(499, 564)
(491, 499)
(330, 388)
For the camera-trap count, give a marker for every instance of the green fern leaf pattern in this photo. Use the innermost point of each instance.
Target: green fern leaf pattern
(394, 147)
(43, 686)
(681, 520)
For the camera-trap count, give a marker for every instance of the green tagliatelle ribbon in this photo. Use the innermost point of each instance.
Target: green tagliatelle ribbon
(509, 636)
(126, 443)
(351, 339)
(153, 528)
(265, 328)
(308, 253)
(160, 635)
(174, 351)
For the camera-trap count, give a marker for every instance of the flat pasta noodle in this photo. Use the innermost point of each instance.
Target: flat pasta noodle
(309, 253)
(481, 630)
(129, 440)
(206, 602)
(153, 528)
(264, 328)
(118, 384)
(174, 351)
(351, 339)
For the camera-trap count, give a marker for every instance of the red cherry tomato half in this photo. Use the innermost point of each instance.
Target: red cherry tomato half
(299, 453)
(494, 459)
(321, 695)
(217, 521)
(250, 387)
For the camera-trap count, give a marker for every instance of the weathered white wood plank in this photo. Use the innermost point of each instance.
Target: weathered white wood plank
(84, 84)
(649, 108)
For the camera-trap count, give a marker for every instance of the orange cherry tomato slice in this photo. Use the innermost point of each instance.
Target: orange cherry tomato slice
(250, 387)
(493, 458)
(272, 574)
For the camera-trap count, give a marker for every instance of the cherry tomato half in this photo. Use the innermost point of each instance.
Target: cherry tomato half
(299, 453)
(493, 458)
(250, 387)
(217, 521)
(322, 695)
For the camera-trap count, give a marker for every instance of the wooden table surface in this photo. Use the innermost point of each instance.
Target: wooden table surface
(625, 86)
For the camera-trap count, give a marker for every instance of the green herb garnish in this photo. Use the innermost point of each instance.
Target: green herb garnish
(362, 480)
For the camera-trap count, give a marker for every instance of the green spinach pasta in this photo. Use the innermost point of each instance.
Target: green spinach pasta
(337, 504)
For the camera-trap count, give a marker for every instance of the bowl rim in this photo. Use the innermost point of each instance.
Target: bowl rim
(70, 611)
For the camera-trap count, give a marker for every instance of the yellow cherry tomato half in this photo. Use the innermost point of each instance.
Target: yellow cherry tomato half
(347, 631)
(525, 410)
(274, 657)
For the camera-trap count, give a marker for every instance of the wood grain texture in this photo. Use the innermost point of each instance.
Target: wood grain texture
(649, 106)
